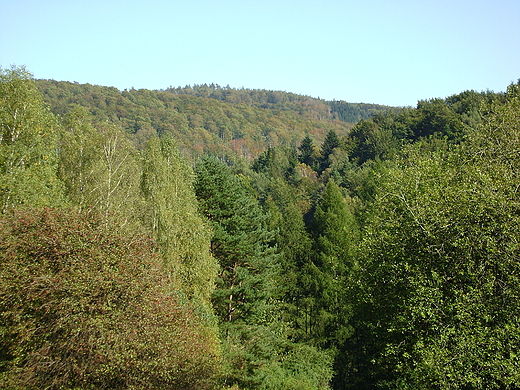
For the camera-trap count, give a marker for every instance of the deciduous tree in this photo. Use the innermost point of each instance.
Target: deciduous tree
(172, 214)
(28, 149)
(440, 264)
(85, 307)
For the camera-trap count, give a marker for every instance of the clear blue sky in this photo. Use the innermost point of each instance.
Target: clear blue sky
(393, 52)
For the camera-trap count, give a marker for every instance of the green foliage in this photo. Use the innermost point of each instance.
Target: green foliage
(335, 234)
(27, 144)
(328, 146)
(257, 351)
(389, 252)
(78, 154)
(83, 307)
(241, 243)
(372, 140)
(469, 104)
(99, 166)
(440, 265)
(307, 152)
(230, 128)
(382, 135)
(257, 357)
(301, 367)
(284, 101)
(171, 213)
(354, 112)
(434, 117)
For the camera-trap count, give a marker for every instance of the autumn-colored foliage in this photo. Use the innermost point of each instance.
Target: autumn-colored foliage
(83, 307)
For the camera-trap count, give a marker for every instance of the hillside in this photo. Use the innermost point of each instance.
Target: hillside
(222, 121)
(336, 109)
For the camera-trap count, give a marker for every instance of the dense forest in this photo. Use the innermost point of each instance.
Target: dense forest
(207, 237)
(224, 122)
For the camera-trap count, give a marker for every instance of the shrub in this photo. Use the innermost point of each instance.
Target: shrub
(83, 307)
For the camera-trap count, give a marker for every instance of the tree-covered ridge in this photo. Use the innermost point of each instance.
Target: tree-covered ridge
(279, 100)
(199, 124)
(224, 121)
(382, 136)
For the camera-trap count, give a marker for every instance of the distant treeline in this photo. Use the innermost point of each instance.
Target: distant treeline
(222, 121)
(337, 109)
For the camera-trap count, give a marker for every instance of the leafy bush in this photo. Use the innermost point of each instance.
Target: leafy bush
(83, 307)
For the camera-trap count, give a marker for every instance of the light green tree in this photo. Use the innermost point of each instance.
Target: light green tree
(28, 161)
(171, 212)
(79, 151)
(99, 166)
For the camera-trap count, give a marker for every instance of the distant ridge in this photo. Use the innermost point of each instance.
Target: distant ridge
(339, 109)
(211, 119)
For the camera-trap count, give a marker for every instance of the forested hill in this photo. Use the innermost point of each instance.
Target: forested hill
(222, 121)
(278, 100)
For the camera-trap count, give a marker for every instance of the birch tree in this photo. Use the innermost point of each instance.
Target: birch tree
(27, 144)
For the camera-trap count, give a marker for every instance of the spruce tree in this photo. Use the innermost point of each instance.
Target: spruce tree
(326, 277)
(330, 143)
(307, 152)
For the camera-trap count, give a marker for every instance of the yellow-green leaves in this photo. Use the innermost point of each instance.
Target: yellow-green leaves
(27, 144)
(171, 212)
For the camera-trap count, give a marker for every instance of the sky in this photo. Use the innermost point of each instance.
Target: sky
(393, 52)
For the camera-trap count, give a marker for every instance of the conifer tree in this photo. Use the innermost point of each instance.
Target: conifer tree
(335, 234)
(295, 244)
(330, 143)
(244, 299)
(307, 151)
(241, 242)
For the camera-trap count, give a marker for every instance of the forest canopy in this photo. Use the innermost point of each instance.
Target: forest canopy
(206, 237)
(210, 119)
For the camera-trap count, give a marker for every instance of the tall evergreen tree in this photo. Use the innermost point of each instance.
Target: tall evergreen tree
(294, 242)
(241, 242)
(335, 234)
(244, 299)
(330, 143)
(307, 152)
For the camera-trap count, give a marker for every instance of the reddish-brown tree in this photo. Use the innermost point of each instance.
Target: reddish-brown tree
(83, 307)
